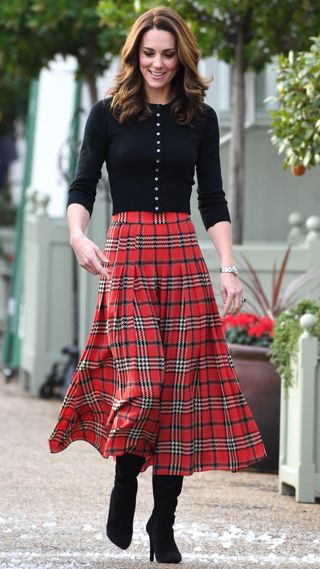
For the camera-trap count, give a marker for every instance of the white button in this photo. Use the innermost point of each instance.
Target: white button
(157, 160)
(158, 149)
(158, 141)
(156, 188)
(156, 198)
(157, 169)
(158, 133)
(158, 124)
(156, 179)
(156, 207)
(158, 114)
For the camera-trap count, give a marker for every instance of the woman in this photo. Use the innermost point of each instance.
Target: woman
(155, 384)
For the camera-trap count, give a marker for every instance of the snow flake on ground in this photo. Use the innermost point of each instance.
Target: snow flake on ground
(229, 536)
(49, 524)
(227, 545)
(88, 527)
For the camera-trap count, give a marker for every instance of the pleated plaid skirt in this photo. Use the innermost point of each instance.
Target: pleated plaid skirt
(156, 378)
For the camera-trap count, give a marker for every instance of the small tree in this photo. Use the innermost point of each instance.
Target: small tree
(32, 32)
(295, 127)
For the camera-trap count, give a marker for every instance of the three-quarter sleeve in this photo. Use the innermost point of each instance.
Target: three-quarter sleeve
(212, 203)
(83, 188)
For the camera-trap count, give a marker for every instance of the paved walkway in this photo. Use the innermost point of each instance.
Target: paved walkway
(53, 507)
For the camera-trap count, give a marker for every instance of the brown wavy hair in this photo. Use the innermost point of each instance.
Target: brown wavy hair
(128, 94)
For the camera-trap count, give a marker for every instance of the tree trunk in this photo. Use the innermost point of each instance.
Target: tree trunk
(237, 145)
(92, 85)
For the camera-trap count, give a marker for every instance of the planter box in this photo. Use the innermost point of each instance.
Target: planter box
(261, 386)
(299, 464)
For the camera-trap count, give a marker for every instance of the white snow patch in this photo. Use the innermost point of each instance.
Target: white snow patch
(27, 536)
(310, 558)
(229, 536)
(264, 537)
(49, 524)
(88, 527)
(232, 546)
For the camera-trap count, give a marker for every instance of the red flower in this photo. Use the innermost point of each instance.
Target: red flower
(243, 320)
(250, 325)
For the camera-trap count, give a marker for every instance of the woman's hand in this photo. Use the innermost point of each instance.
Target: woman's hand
(89, 256)
(231, 291)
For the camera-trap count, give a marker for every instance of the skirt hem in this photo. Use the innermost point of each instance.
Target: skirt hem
(55, 448)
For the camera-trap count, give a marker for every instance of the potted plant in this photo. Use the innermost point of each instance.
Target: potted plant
(250, 337)
(295, 127)
(287, 330)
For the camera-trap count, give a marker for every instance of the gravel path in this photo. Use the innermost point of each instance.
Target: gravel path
(53, 507)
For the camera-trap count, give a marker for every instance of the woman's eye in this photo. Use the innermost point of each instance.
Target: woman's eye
(148, 54)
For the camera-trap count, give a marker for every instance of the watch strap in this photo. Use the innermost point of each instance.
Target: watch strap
(229, 269)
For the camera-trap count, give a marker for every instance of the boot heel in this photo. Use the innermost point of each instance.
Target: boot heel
(151, 550)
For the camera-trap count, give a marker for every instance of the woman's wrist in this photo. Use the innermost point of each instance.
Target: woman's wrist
(78, 218)
(227, 262)
(75, 235)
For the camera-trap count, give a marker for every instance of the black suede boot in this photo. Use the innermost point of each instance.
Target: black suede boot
(123, 499)
(166, 489)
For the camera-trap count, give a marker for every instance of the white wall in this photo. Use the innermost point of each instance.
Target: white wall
(54, 113)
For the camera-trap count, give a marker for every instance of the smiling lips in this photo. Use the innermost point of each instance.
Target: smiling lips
(154, 74)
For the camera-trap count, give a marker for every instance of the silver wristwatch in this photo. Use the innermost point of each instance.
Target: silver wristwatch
(233, 269)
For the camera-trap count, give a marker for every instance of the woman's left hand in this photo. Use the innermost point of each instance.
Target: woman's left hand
(232, 292)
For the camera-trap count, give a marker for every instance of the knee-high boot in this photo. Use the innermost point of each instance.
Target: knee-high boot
(123, 499)
(166, 489)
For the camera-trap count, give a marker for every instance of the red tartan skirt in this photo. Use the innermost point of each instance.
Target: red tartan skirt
(156, 378)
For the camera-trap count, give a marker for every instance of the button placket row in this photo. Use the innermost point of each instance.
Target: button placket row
(158, 151)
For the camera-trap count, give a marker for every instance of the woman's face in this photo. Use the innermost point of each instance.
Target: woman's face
(158, 58)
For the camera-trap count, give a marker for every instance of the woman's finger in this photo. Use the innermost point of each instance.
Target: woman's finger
(94, 267)
(101, 255)
(104, 261)
(224, 294)
(228, 304)
(99, 268)
(237, 305)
